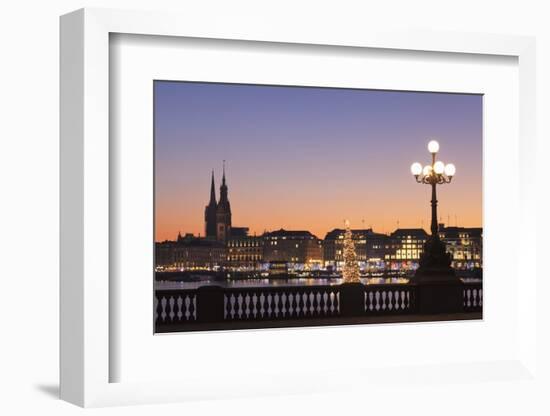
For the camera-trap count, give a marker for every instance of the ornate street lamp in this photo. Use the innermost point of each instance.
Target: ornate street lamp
(435, 262)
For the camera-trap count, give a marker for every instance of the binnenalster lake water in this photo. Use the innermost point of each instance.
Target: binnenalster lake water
(173, 285)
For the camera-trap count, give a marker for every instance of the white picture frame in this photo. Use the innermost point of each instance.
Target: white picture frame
(85, 211)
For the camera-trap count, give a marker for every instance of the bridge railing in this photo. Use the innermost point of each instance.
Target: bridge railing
(187, 308)
(281, 302)
(472, 297)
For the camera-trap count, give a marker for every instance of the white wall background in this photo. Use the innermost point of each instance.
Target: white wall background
(29, 180)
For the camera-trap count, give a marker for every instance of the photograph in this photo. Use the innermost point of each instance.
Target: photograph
(291, 206)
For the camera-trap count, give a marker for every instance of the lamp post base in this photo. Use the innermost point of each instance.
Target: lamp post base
(352, 299)
(439, 296)
(439, 289)
(435, 263)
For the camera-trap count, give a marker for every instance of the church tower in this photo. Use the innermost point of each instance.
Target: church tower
(223, 212)
(210, 213)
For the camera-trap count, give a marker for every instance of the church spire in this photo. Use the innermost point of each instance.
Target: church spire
(224, 201)
(210, 212)
(223, 212)
(212, 190)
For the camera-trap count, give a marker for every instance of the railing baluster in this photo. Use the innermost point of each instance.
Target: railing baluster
(288, 312)
(298, 300)
(372, 300)
(247, 304)
(179, 314)
(472, 297)
(159, 308)
(291, 300)
(253, 304)
(322, 303)
(262, 304)
(170, 308)
(193, 307)
(313, 303)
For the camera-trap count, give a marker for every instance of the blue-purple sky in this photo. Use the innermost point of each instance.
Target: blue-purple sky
(307, 158)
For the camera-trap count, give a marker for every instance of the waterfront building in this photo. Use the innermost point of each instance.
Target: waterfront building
(244, 252)
(190, 253)
(164, 255)
(301, 250)
(404, 248)
(464, 245)
(196, 253)
(277, 268)
(369, 249)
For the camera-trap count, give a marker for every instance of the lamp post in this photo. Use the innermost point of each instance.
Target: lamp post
(435, 262)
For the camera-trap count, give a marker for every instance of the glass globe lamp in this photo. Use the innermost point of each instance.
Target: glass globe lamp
(416, 169)
(450, 170)
(427, 171)
(433, 146)
(439, 167)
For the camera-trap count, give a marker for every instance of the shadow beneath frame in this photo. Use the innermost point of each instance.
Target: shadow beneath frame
(51, 390)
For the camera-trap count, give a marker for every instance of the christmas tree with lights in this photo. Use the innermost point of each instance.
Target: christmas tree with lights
(350, 272)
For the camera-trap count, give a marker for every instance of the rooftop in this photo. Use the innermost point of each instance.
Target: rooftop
(290, 234)
(361, 233)
(417, 232)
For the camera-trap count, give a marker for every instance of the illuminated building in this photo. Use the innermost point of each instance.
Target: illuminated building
(196, 253)
(300, 249)
(404, 248)
(464, 245)
(190, 253)
(369, 249)
(164, 254)
(244, 252)
(278, 268)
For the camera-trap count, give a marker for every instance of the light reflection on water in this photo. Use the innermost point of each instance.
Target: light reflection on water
(167, 285)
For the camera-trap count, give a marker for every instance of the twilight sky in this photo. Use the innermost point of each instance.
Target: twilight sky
(307, 158)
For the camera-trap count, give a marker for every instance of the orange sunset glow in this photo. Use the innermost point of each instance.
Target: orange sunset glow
(309, 158)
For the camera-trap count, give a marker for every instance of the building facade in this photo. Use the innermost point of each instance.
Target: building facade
(190, 253)
(465, 246)
(195, 253)
(245, 253)
(369, 249)
(404, 248)
(164, 255)
(301, 250)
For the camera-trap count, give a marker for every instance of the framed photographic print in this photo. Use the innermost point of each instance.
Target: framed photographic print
(300, 160)
(272, 212)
